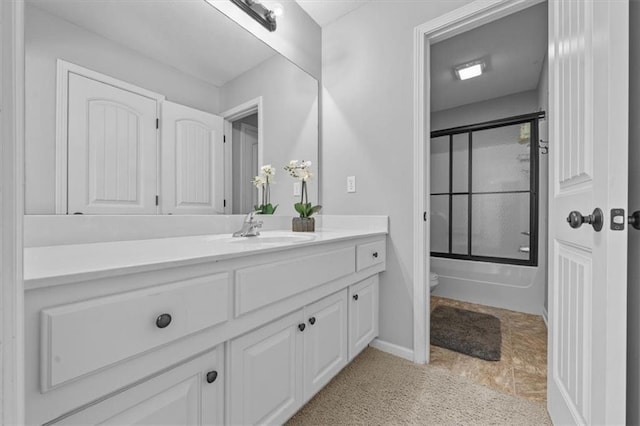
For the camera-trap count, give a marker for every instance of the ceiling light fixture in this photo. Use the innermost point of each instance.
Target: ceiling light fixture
(470, 69)
(255, 9)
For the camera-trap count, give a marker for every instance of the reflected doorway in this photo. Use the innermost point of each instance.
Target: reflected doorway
(244, 163)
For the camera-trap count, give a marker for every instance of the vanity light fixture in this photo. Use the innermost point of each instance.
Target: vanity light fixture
(470, 69)
(259, 12)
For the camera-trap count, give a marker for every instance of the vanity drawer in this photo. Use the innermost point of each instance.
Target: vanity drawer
(83, 337)
(371, 254)
(262, 285)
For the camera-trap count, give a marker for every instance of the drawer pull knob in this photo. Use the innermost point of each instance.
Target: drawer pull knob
(355, 297)
(312, 320)
(212, 376)
(301, 327)
(375, 254)
(163, 320)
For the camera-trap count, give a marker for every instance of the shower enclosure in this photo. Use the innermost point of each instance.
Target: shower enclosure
(484, 191)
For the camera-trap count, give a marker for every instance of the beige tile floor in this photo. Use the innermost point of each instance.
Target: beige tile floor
(522, 370)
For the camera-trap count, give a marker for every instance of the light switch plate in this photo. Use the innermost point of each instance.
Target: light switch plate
(351, 184)
(297, 188)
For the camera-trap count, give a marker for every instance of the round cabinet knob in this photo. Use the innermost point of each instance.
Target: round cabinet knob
(312, 320)
(163, 320)
(301, 327)
(375, 254)
(355, 297)
(212, 376)
(595, 219)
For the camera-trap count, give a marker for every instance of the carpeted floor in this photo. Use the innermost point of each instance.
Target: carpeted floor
(381, 389)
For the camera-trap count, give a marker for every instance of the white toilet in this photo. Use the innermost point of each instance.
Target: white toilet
(433, 282)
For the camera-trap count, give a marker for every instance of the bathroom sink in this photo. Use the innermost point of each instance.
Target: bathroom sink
(272, 239)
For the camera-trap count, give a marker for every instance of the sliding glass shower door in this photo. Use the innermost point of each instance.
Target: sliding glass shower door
(484, 180)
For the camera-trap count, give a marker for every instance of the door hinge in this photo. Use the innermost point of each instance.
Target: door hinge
(157, 200)
(157, 123)
(424, 216)
(224, 203)
(224, 138)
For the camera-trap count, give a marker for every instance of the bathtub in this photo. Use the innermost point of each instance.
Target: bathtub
(514, 287)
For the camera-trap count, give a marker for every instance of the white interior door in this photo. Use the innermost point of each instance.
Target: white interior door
(192, 169)
(588, 74)
(112, 149)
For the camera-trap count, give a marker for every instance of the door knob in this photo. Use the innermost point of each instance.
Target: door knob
(595, 219)
(634, 219)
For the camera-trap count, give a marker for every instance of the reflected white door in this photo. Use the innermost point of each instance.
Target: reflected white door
(192, 169)
(588, 75)
(112, 149)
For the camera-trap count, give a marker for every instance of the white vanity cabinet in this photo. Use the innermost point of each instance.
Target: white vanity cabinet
(325, 341)
(136, 346)
(265, 372)
(363, 315)
(190, 394)
(278, 367)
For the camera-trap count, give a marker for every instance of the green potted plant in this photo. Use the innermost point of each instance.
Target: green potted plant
(263, 182)
(301, 169)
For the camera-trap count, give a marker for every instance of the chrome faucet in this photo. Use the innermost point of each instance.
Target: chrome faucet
(250, 226)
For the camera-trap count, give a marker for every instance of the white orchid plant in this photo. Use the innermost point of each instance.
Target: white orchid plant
(301, 169)
(263, 182)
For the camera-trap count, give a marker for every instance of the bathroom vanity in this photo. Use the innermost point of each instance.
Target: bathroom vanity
(204, 329)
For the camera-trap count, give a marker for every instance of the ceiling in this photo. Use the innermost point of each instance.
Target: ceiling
(156, 29)
(326, 11)
(514, 48)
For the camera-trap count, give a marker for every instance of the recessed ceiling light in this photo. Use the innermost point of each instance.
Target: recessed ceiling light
(470, 69)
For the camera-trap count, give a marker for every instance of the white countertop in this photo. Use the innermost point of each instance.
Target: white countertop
(52, 265)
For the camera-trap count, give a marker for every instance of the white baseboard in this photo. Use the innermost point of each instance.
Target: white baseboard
(545, 316)
(392, 349)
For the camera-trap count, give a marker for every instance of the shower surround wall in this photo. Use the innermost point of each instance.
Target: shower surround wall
(519, 288)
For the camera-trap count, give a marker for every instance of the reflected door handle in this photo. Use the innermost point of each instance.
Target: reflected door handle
(595, 219)
(527, 233)
(524, 249)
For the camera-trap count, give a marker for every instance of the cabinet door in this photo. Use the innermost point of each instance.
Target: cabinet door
(266, 372)
(363, 314)
(325, 341)
(112, 148)
(190, 394)
(192, 172)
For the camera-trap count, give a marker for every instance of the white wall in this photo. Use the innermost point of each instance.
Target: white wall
(505, 106)
(298, 37)
(48, 38)
(633, 297)
(519, 288)
(289, 124)
(367, 131)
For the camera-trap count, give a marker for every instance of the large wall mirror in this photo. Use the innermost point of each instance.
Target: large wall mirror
(158, 107)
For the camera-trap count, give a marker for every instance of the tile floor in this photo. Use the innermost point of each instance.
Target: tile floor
(522, 371)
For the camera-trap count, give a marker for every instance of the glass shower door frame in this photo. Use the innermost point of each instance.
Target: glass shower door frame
(533, 119)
